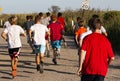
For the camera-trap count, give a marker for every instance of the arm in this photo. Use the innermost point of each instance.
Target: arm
(48, 33)
(73, 28)
(105, 33)
(30, 34)
(4, 36)
(76, 39)
(103, 30)
(24, 34)
(80, 42)
(81, 59)
(110, 60)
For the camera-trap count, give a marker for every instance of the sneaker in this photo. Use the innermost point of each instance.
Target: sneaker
(65, 45)
(38, 68)
(14, 73)
(41, 68)
(54, 61)
(58, 54)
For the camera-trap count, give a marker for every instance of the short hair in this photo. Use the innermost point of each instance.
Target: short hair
(31, 17)
(59, 14)
(53, 17)
(95, 16)
(37, 18)
(27, 17)
(81, 23)
(12, 19)
(48, 13)
(41, 14)
(97, 24)
(79, 19)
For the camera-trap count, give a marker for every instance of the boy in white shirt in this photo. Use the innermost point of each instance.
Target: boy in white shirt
(39, 42)
(12, 35)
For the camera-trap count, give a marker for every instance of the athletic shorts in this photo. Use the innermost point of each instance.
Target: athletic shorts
(39, 49)
(92, 78)
(56, 44)
(14, 52)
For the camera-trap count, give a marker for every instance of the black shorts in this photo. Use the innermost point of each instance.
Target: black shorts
(92, 78)
(14, 52)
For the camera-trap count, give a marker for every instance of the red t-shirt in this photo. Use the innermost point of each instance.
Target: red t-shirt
(61, 20)
(55, 31)
(98, 51)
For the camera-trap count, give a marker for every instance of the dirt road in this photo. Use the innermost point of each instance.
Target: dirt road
(64, 71)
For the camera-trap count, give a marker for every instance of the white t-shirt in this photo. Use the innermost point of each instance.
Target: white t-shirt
(102, 30)
(82, 36)
(13, 32)
(39, 34)
(46, 21)
(7, 24)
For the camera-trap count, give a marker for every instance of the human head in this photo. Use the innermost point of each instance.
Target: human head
(12, 19)
(59, 14)
(40, 14)
(95, 16)
(47, 14)
(97, 24)
(37, 18)
(27, 17)
(79, 19)
(91, 21)
(31, 17)
(81, 23)
(53, 17)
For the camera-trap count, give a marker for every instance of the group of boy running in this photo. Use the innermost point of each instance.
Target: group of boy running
(40, 33)
(95, 51)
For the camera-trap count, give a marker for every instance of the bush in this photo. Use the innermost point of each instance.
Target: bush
(112, 23)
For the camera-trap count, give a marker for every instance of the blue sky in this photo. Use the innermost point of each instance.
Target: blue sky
(30, 6)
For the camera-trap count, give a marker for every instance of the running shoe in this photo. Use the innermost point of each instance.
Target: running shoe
(38, 68)
(58, 54)
(14, 73)
(54, 61)
(65, 45)
(41, 68)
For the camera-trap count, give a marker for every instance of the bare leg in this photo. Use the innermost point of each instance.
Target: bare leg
(14, 62)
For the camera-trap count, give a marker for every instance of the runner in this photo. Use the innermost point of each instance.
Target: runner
(96, 54)
(46, 22)
(27, 24)
(90, 23)
(62, 21)
(12, 35)
(79, 32)
(56, 32)
(39, 31)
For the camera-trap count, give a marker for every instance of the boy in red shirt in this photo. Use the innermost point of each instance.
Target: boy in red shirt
(96, 54)
(56, 33)
(61, 20)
